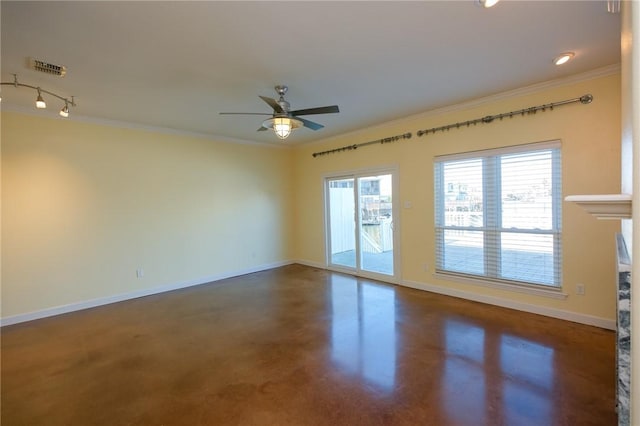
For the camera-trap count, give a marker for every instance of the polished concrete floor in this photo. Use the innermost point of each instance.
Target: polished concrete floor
(303, 346)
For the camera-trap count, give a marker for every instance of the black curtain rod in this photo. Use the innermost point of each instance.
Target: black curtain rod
(585, 99)
(357, 145)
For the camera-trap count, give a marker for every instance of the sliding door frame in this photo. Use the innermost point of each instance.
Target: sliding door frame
(355, 174)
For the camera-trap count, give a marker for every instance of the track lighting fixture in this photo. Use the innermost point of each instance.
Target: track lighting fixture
(40, 102)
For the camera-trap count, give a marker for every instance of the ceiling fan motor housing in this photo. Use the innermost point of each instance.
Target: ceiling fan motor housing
(281, 90)
(284, 105)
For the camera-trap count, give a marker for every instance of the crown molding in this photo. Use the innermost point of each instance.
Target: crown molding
(472, 103)
(526, 90)
(135, 126)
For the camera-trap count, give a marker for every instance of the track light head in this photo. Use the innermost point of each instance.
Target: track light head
(40, 103)
(64, 112)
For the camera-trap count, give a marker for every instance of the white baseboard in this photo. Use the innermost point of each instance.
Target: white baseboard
(498, 301)
(310, 263)
(506, 303)
(72, 307)
(491, 300)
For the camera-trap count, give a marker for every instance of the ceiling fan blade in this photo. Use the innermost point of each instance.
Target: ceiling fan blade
(244, 113)
(310, 124)
(320, 110)
(273, 104)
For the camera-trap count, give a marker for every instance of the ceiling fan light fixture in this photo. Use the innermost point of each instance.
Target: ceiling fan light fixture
(282, 126)
(564, 58)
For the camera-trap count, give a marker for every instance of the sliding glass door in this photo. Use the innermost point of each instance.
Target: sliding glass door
(342, 222)
(360, 223)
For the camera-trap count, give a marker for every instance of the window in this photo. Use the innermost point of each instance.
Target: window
(498, 214)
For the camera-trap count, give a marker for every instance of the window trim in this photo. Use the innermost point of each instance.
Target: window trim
(513, 149)
(553, 291)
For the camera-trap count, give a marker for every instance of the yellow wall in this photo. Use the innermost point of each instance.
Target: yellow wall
(590, 136)
(86, 205)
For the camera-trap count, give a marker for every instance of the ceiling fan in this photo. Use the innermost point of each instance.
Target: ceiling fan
(283, 120)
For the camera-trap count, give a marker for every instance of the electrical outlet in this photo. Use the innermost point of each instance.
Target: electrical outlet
(139, 272)
(580, 290)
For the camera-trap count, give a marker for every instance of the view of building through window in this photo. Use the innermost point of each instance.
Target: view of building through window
(498, 216)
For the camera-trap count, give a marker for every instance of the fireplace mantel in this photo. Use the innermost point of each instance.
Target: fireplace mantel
(605, 206)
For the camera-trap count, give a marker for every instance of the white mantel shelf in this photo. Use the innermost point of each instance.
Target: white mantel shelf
(607, 206)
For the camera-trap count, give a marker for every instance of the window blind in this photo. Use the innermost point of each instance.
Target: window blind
(498, 214)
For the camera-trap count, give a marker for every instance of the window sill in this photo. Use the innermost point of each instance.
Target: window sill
(534, 290)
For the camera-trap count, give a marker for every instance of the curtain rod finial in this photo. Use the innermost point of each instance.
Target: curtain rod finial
(586, 99)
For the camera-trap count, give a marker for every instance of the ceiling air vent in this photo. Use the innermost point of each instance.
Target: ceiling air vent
(47, 68)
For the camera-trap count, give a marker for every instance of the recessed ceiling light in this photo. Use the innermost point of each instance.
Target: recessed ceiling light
(564, 58)
(487, 3)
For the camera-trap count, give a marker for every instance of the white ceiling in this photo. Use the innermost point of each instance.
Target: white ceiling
(178, 64)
